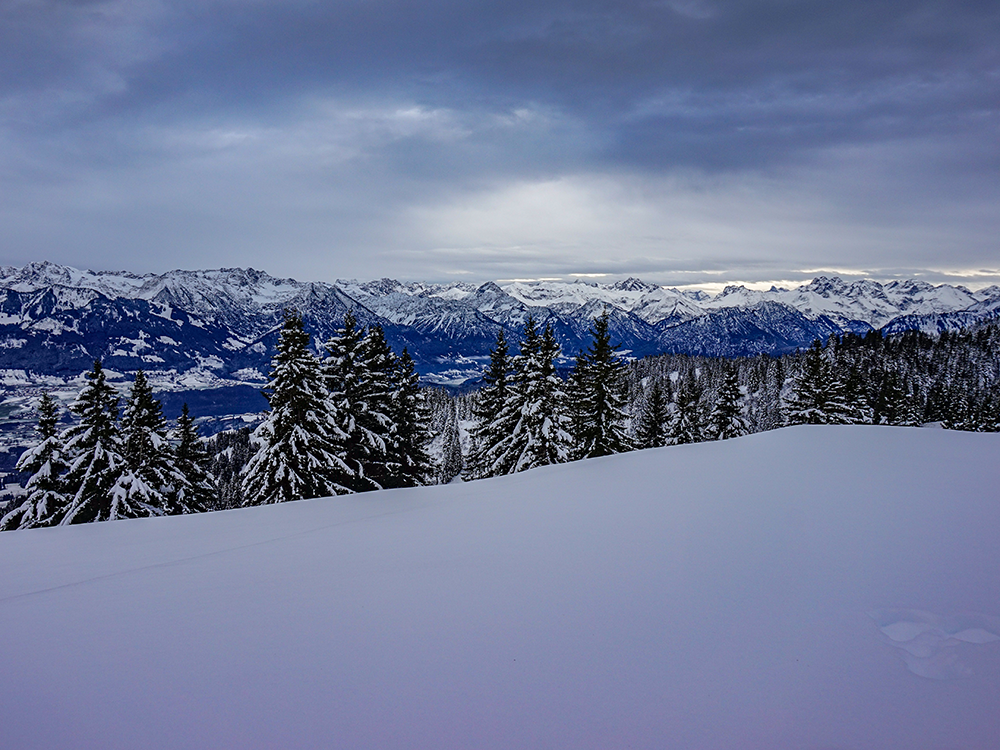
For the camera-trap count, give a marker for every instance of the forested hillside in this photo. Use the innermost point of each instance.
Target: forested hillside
(356, 420)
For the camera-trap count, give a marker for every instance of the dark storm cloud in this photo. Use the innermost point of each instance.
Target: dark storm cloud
(363, 110)
(730, 82)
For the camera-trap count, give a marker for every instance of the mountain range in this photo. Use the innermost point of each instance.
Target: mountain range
(204, 329)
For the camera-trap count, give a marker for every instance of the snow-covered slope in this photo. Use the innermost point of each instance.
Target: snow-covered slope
(814, 587)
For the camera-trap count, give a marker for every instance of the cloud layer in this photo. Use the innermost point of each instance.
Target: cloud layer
(686, 141)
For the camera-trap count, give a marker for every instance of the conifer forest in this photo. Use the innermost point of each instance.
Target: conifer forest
(349, 416)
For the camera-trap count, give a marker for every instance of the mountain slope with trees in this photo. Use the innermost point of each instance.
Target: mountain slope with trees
(356, 420)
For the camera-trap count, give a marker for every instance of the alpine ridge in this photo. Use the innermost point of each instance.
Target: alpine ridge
(205, 329)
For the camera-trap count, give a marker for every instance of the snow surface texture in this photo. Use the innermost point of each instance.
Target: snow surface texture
(748, 593)
(928, 641)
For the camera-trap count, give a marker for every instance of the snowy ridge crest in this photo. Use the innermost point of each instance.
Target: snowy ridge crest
(226, 319)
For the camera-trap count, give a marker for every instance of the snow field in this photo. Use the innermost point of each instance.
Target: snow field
(705, 596)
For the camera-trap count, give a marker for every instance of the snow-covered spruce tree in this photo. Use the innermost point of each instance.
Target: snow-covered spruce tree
(766, 407)
(300, 445)
(960, 415)
(859, 409)
(963, 391)
(851, 377)
(598, 397)
(343, 368)
(45, 502)
(410, 462)
(98, 481)
(347, 377)
(488, 432)
(230, 451)
(988, 413)
(651, 431)
(376, 410)
(451, 448)
(890, 403)
(688, 422)
(913, 406)
(819, 394)
(152, 474)
(196, 490)
(576, 409)
(938, 401)
(726, 420)
(536, 405)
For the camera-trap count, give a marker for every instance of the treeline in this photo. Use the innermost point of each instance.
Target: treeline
(352, 421)
(103, 468)
(355, 419)
(525, 416)
(905, 379)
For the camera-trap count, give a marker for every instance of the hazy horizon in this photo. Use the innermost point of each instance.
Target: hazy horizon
(712, 288)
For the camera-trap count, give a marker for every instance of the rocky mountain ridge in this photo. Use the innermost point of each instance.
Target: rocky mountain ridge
(201, 329)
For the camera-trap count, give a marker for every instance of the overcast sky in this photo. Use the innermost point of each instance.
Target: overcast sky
(683, 141)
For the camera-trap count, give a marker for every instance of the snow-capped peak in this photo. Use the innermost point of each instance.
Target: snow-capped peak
(632, 284)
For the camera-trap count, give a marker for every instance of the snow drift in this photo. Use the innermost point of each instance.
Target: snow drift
(774, 591)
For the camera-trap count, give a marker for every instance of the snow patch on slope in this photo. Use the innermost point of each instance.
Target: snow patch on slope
(709, 597)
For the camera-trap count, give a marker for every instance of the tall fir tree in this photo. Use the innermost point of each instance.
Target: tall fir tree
(960, 414)
(688, 422)
(196, 491)
(988, 413)
(777, 377)
(859, 409)
(230, 450)
(45, 502)
(489, 432)
(342, 369)
(727, 420)
(412, 466)
(652, 429)
(937, 405)
(890, 402)
(913, 407)
(451, 448)
(376, 408)
(576, 409)
(345, 372)
(299, 455)
(536, 406)
(98, 479)
(152, 475)
(598, 398)
(819, 396)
